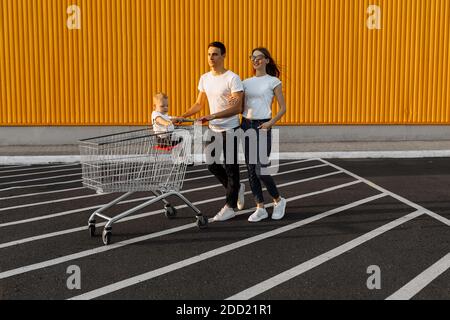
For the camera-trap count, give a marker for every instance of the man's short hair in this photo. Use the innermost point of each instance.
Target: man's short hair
(220, 45)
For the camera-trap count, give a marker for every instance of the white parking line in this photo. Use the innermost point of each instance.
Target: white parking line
(138, 216)
(422, 280)
(70, 189)
(80, 180)
(213, 253)
(393, 195)
(39, 185)
(40, 193)
(31, 167)
(103, 194)
(38, 179)
(44, 264)
(36, 173)
(50, 202)
(2, 169)
(317, 261)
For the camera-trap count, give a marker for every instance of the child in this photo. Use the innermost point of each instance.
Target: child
(162, 122)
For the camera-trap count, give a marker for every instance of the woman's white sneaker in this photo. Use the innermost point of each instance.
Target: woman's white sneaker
(241, 197)
(279, 209)
(258, 215)
(224, 214)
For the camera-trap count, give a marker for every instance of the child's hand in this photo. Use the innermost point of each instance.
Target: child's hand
(176, 120)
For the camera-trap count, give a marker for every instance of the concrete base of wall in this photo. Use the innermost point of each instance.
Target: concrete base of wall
(288, 134)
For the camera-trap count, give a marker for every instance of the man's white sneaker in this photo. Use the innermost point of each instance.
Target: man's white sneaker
(224, 214)
(278, 209)
(241, 197)
(258, 215)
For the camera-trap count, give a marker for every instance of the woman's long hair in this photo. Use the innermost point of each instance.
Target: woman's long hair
(271, 68)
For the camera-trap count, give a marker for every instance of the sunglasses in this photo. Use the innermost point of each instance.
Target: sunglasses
(257, 58)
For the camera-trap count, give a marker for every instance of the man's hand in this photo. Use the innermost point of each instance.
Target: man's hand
(205, 118)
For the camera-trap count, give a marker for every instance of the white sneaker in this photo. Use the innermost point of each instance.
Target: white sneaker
(258, 215)
(224, 214)
(278, 209)
(241, 197)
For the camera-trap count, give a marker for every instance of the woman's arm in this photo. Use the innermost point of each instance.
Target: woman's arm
(280, 98)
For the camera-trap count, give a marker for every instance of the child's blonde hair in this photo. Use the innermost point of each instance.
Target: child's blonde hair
(159, 97)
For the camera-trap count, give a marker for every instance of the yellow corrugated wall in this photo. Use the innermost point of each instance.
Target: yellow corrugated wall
(335, 70)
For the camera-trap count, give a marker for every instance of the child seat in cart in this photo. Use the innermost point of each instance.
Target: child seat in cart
(139, 160)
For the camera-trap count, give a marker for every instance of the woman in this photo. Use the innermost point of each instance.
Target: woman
(259, 92)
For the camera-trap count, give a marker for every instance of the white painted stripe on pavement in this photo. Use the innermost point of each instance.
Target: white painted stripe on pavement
(48, 263)
(363, 154)
(31, 167)
(438, 217)
(39, 179)
(36, 173)
(40, 185)
(317, 261)
(28, 167)
(28, 160)
(422, 280)
(133, 217)
(51, 202)
(10, 166)
(41, 193)
(80, 180)
(185, 180)
(213, 253)
(70, 189)
(393, 195)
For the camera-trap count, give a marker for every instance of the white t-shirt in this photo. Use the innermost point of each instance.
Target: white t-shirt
(159, 128)
(258, 97)
(218, 89)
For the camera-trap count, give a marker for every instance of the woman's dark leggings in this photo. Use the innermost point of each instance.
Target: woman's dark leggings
(256, 168)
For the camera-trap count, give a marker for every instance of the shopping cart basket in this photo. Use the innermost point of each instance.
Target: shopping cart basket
(139, 160)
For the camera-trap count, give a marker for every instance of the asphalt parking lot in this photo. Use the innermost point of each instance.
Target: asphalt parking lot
(353, 229)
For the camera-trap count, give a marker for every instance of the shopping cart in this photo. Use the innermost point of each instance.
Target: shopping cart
(139, 160)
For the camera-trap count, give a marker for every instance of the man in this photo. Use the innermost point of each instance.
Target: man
(224, 91)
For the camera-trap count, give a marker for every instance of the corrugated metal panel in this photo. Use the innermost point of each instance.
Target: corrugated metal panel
(335, 70)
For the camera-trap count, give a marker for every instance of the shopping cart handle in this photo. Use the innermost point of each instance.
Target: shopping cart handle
(184, 120)
(187, 120)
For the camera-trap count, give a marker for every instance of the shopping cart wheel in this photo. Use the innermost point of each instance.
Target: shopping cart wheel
(106, 236)
(202, 222)
(92, 228)
(170, 211)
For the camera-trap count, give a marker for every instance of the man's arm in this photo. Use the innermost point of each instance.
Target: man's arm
(234, 107)
(197, 106)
